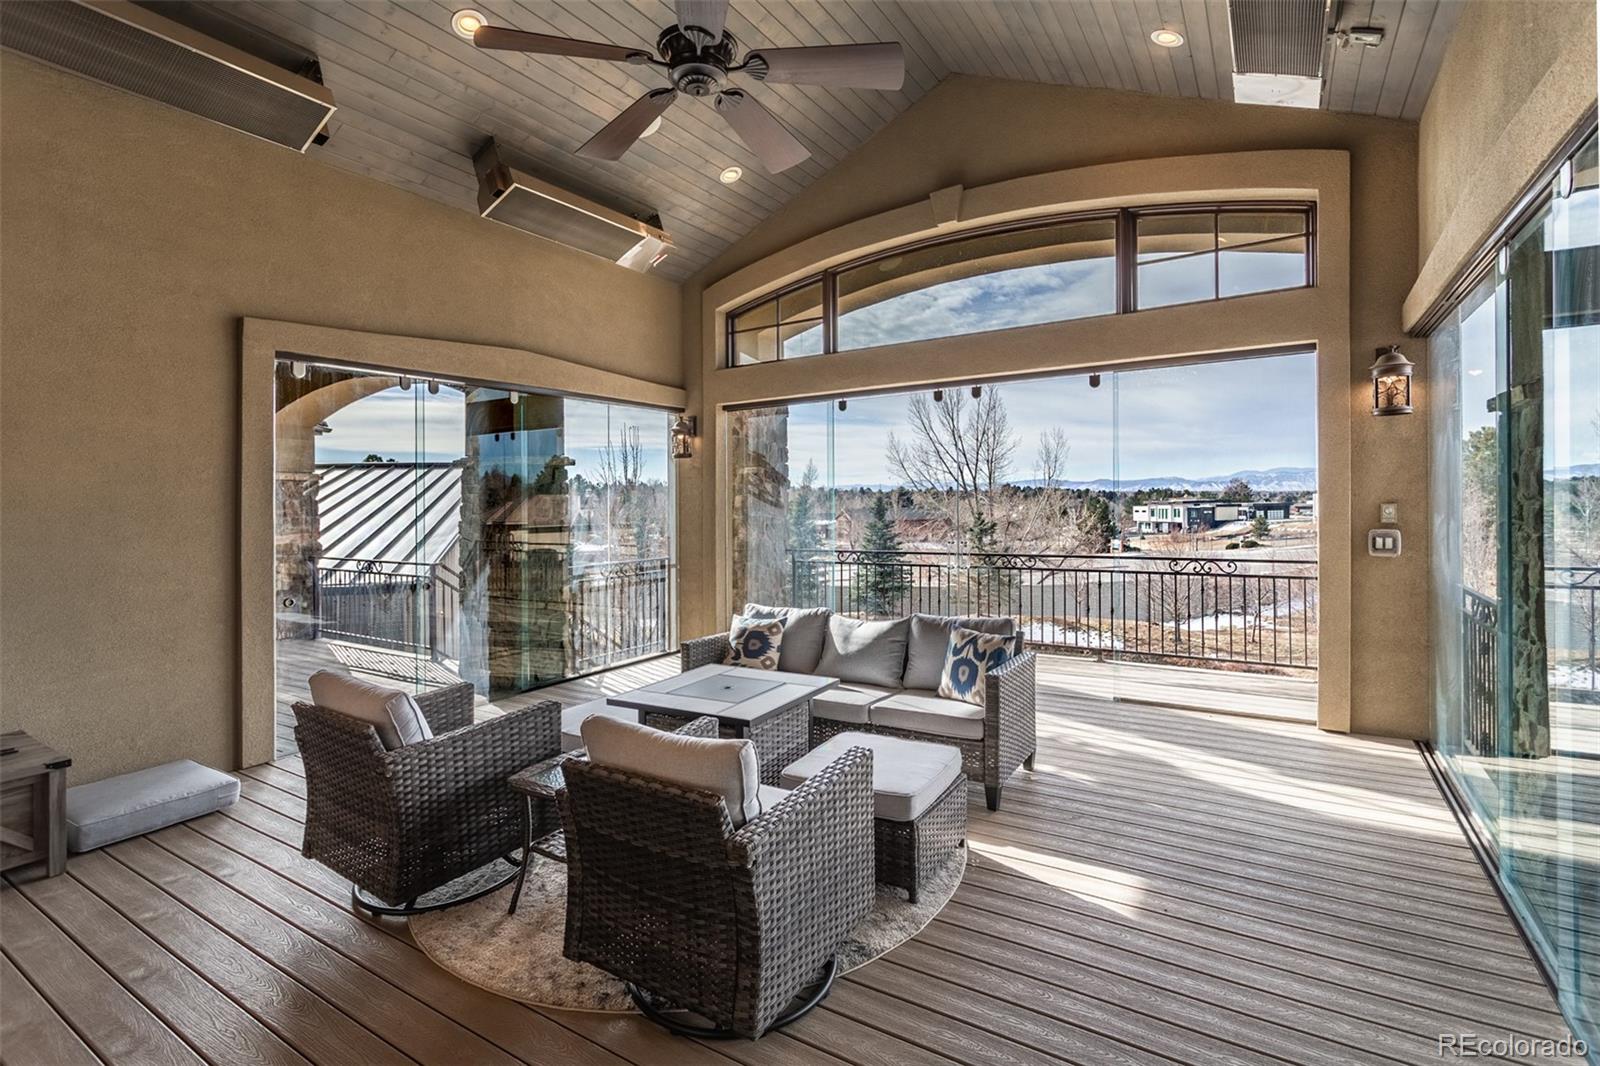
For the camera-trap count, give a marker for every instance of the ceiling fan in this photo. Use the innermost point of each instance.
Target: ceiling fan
(699, 56)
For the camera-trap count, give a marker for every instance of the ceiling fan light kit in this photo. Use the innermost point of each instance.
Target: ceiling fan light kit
(700, 56)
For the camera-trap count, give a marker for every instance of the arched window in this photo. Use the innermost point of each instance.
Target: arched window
(1028, 273)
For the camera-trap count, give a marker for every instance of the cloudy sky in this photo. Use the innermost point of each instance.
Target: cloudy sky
(1190, 421)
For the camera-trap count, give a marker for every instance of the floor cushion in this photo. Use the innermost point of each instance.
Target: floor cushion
(390, 711)
(928, 712)
(871, 653)
(929, 640)
(803, 629)
(724, 767)
(907, 775)
(129, 805)
(848, 703)
(572, 719)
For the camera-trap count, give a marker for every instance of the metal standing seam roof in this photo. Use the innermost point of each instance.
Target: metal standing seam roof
(402, 516)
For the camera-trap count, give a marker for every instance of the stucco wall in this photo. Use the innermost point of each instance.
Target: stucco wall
(135, 239)
(974, 132)
(1517, 76)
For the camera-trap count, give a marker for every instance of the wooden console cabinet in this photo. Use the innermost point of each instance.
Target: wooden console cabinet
(33, 804)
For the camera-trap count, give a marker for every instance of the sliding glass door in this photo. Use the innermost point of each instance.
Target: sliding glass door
(430, 532)
(1516, 462)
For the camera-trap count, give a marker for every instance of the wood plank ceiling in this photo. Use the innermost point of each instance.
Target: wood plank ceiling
(415, 100)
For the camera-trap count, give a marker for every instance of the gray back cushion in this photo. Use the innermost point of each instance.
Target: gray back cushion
(869, 653)
(930, 640)
(803, 631)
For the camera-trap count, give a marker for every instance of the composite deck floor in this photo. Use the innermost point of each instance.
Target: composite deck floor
(1168, 887)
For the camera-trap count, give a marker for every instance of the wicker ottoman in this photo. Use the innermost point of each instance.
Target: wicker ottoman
(919, 802)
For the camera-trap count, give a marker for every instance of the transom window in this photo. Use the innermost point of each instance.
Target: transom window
(1024, 274)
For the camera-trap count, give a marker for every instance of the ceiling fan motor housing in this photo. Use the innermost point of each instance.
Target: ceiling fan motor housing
(696, 71)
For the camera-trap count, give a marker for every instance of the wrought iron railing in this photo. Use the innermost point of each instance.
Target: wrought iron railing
(1572, 617)
(1189, 608)
(406, 606)
(615, 611)
(620, 611)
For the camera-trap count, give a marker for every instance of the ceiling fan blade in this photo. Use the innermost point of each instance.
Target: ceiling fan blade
(502, 37)
(618, 135)
(708, 15)
(844, 66)
(759, 129)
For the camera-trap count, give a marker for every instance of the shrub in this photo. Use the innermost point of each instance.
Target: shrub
(1230, 546)
(1249, 542)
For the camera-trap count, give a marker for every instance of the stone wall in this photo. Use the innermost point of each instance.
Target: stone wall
(758, 459)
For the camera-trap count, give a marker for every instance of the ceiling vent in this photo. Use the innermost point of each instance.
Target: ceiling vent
(131, 47)
(535, 206)
(1278, 47)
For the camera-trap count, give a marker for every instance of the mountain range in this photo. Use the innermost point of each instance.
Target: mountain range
(1275, 479)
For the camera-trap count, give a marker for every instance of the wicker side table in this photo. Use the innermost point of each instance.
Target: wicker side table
(540, 784)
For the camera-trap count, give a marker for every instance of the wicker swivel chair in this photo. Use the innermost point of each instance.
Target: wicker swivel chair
(402, 823)
(732, 924)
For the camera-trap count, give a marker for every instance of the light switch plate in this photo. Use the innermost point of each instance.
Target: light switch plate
(1384, 543)
(1389, 513)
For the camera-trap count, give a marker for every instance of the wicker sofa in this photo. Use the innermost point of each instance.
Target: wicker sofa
(667, 891)
(993, 742)
(402, 822)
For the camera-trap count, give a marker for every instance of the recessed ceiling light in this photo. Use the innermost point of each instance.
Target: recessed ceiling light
(731, 175)
(466, 22)
(1166, 38)
(655, 124)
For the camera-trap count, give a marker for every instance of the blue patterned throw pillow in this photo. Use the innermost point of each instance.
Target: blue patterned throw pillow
(754, 643)
(968, 661)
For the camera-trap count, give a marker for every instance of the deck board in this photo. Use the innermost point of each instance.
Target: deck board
(1170, 886)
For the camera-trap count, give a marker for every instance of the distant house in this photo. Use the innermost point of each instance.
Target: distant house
(916, 526)
(1191, 514)
(1306, 508)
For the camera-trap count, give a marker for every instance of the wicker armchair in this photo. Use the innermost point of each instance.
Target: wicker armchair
(1010, 735)
(400, 824)
(665, 894)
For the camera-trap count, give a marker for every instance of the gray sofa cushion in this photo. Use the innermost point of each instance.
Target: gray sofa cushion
(803, 631)
(907, 775)
(928, 712)
(930, 640)
(872, 653)
(129, 805)
(848, 703)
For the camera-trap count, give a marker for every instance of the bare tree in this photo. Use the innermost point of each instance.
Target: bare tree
(958, 456)
(619, 473)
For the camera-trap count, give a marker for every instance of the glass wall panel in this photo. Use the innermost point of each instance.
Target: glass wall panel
(1517, 573)
(1077, 504)
(430, 532)
(997, 281)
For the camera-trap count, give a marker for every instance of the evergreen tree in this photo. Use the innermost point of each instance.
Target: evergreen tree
(1097, 525)
(886, 581)
(1259, 527)
(804, 541)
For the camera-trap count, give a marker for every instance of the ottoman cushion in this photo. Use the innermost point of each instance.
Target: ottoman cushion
(907, 775)
(129, 805)
(572, 720)
(848, 703)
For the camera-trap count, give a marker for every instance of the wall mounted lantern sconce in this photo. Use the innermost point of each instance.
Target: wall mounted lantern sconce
(683, 431)
(1391, 382)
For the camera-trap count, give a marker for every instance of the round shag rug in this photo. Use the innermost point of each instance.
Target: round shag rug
(519, 955)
